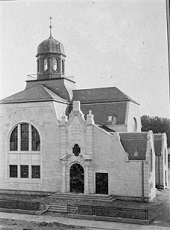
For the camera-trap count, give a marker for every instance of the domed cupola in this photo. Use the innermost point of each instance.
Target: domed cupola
(50, 45)
(50, 59)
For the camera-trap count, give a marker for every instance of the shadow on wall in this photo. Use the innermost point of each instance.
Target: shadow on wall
(168, 157)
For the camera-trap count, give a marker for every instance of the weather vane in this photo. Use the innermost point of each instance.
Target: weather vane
(50, 27)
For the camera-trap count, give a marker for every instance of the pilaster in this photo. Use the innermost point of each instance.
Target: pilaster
(86, 178)
(63, 189)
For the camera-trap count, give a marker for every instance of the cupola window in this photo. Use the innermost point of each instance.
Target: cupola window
(45, 64)
(55, 67)
(38, 67)
(63, 67)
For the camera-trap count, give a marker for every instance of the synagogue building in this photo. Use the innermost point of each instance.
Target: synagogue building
(56, 138)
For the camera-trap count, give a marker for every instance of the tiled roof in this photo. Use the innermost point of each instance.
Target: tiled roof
(101, 111)
(158, 144)
(109, 94)
(59, 86)
(135, 144)
(35, 93)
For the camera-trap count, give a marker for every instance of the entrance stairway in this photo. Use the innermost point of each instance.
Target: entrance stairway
(83, 197)
(62, 208)
(59, 202)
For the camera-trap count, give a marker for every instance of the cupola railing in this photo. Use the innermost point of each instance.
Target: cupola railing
(33, 77)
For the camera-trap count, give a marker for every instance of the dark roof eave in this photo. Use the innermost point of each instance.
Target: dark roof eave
(51, 53)
(32, 101)
(91, 102)
(137, 158)
(52, 79)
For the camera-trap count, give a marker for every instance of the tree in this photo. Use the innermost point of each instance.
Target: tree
(157, 125)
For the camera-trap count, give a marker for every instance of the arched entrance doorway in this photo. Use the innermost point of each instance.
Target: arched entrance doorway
(77, 178)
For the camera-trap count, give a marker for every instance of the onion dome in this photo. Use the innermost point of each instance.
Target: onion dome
(50, 45)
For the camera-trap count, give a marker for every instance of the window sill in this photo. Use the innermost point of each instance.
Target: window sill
(24, 180)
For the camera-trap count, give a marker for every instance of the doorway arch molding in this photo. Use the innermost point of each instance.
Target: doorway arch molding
(85, 164)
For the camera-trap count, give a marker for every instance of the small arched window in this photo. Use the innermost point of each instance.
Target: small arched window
(38, 67)
(63, 67)
(134, 124)
(55, 67)
(45, 64)
(114, 119)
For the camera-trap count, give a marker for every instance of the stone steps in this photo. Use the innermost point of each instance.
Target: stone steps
(57, 208)
(53, 207)
(83, 197)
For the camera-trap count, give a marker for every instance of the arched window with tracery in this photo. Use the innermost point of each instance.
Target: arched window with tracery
(24, 152)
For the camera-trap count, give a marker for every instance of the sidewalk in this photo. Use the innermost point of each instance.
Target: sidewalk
(78, 222)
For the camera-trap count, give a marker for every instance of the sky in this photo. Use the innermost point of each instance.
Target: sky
(118, 43)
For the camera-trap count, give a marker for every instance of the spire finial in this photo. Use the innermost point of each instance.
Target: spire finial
(50, 27)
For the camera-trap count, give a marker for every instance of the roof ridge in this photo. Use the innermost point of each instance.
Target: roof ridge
(45, 91)
(46, 88)
(94, 88)
(42, 86)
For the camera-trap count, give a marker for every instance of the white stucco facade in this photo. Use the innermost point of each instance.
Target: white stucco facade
(100, 152)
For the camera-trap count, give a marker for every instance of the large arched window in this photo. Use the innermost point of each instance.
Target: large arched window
(24, 137)
(24, 153)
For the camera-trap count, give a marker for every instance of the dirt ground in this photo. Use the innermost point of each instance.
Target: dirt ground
(159, 211)
(24, 225)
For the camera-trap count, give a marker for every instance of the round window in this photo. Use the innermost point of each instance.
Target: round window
(76, 150)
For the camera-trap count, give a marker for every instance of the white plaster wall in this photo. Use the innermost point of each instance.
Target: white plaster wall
(133, 112)
(109, 156)
(44, 118)
(150, 175)
(60, 109)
